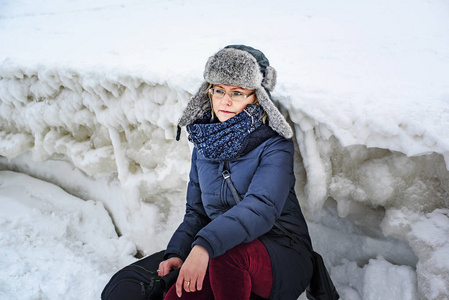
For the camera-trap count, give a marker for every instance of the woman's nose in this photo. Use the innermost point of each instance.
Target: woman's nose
(227, 99)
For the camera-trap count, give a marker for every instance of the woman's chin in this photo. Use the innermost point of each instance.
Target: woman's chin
(224, 116)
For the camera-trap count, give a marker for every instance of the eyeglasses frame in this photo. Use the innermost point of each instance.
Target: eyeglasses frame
(212, 91)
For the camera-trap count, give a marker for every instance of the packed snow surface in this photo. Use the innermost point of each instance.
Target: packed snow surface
(90, 95)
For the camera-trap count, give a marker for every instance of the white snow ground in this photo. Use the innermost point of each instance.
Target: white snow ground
(90, 92)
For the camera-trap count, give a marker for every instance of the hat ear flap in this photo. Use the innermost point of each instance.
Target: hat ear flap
(276, 120)
(269, 80)
(197, 106)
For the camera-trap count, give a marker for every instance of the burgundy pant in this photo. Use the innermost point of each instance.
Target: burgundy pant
(243, 272)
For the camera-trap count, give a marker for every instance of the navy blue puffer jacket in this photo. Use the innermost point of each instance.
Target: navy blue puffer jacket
(265, 180)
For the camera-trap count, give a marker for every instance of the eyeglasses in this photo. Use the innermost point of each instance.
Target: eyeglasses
(237, 96)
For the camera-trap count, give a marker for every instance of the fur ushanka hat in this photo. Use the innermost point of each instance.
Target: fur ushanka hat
(245, 67)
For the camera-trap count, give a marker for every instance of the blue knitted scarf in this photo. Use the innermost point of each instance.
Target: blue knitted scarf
(224, 141)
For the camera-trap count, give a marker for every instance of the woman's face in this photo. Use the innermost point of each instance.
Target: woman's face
(225, 108)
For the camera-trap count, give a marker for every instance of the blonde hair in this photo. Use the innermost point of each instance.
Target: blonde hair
(207, 91)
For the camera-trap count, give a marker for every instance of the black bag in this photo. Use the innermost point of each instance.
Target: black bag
(321, 286)
(139, 281)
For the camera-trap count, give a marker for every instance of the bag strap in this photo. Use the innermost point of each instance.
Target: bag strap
(227, 176)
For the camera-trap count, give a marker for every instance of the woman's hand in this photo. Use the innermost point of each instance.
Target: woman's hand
(166, 266)
(193, 270)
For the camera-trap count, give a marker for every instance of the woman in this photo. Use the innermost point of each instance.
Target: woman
(227, 250)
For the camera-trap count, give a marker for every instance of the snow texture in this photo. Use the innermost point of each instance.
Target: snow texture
(91, 92)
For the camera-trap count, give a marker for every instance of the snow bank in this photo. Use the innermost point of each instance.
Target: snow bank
(52, 244)
(384, 193)
(107, 125)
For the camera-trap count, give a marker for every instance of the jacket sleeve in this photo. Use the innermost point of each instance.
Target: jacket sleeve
(195, 218)
(261, 206)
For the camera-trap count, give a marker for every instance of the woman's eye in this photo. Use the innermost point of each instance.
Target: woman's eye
(238, 94)
(220, 92)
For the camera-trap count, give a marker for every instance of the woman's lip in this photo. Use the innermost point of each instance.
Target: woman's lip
(226, 112)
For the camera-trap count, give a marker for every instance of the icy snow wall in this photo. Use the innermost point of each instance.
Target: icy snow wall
(104, 136)
(107, 136)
